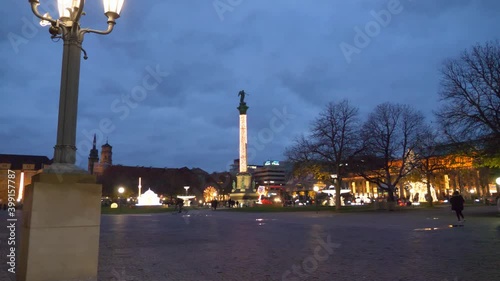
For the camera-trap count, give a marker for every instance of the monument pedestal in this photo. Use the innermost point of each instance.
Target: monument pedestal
(243, 181)
(244, 193)
(60, 228)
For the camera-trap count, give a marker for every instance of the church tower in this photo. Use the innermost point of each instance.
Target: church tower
(93, 157)
(106, 154)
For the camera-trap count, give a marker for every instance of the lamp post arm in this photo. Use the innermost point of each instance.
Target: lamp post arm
(102, 32)
(34, 8)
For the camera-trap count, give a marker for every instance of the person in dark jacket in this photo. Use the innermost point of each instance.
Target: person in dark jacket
(457, 205)
(180, 204)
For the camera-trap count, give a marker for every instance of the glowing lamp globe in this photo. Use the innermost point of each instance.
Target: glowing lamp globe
(65, 7)
(112, 8)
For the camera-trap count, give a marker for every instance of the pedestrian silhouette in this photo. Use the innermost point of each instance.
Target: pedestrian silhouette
(457, 205)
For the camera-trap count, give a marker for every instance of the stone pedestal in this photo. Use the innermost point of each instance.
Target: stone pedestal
(243, 182)
(60, 228)
(244, 192)
(247, 198)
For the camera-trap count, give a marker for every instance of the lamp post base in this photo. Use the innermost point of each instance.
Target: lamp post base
(60, 228)
(244, 192)
(64, 168)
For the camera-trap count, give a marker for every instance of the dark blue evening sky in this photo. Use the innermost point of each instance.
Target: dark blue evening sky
(290, 56)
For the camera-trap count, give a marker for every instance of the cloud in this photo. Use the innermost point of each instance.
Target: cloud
(284, 54)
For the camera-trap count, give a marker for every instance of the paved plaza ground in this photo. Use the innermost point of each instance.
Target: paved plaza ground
(225, 245)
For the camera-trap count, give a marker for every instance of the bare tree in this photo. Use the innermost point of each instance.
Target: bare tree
(429, 155)
(470, 93)
(332, 140)
(390, 136)
(304, 162)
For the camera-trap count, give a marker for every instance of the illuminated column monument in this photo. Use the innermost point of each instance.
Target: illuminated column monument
(243, 190)
(243, 133)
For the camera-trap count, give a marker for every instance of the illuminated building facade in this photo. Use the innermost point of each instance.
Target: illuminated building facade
(450, 172)
(272, 173)
(24, 167)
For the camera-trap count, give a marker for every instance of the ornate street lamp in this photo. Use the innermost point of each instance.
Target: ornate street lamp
(79, 219)
(316, 190)
(67, 27)
(120, 200)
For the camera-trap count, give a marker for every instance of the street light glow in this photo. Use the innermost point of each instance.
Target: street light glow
(121, 190)
(66, 7)
(498, 180)
(113, 6)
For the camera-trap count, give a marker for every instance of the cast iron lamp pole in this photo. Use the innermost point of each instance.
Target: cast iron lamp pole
(120, 200)
(67, 27)
(316, 189)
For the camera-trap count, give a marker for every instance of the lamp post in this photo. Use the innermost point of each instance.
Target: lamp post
(67, 28)
(73, 223)
(120, 191)
(316, 189)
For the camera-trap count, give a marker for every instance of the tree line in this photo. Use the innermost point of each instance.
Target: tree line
(395, 140)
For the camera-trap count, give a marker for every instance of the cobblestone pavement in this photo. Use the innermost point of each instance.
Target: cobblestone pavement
(224, 245)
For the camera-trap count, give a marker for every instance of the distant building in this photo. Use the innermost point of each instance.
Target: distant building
(167, 182)
(93, 157)
(273, 172)
(23, 167)
(235, 167)
(105, 162)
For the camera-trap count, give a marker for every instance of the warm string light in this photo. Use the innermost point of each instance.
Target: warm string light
(21, 188)
(243, 143)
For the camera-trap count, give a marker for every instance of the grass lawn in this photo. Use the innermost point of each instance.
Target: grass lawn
(271, 209)
(274, 209)
(344, 209)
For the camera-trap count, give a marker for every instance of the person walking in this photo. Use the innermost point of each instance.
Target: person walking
(180, 203)
(457, 205)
